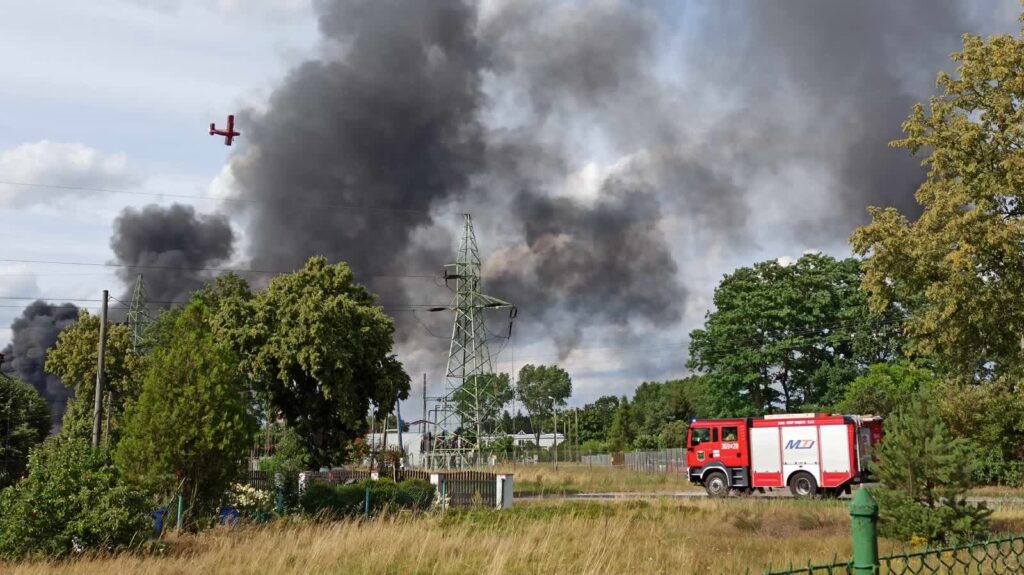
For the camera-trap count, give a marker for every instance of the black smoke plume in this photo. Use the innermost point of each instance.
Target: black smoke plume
(170, 244)
(587, 262)
(419, 110)
(33, 334)
(170, 247)
(391, 121)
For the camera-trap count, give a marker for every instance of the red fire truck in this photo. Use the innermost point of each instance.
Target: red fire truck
(807, 452)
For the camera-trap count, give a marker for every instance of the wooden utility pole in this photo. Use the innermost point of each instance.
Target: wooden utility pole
(423, 424)
(97, 410)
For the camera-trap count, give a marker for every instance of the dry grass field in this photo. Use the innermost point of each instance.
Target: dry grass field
(574, 478)
(662, 536)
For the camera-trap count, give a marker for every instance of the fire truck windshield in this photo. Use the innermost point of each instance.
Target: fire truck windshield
(700, 436)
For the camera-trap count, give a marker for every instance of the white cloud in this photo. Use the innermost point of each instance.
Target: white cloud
(785, 261)
(67, 166)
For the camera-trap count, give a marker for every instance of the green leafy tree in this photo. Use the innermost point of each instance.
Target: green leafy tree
(673, 434)
(649, 409)
(784, 336)
(542, 389)
(74, 360)
(884, 388)
(925, 474)
(646, 442)
(656, 404)
(319, 351)
(482, 397)
(192, 424)
(958, 268)
(24, 423)
(288, 459)
(596, 419)
(623, 431)
(73, 499)
(990, 414)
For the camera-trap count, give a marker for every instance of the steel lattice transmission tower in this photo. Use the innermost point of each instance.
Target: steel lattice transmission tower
(138, 319)
(464, 412)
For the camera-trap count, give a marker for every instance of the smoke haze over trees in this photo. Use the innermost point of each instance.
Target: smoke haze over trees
(171, 245)
(34, 333)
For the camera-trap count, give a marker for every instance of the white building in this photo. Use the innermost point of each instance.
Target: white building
(547, 440)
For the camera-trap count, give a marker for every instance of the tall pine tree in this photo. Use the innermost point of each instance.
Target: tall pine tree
(623, 431)
(925, 474)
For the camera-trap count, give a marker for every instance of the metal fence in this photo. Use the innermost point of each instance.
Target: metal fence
(597, 460)
(656, 461)
(337, 476)
(469, 488)
(262, 480)
(986, 557)
(661, 461)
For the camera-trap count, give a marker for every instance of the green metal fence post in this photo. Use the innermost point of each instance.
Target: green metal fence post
(181, 509)
(279, 493)
(864, 514)
(366, 511)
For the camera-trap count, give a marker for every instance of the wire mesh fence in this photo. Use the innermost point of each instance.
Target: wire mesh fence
(660, 461)
(998, 557)
(597, 460)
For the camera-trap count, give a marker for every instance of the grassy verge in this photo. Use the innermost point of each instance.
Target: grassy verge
(571, 479)
(533, 489)
(663, 536)
(998, 491)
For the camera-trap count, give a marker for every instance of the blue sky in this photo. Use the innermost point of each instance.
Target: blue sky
(119, 94)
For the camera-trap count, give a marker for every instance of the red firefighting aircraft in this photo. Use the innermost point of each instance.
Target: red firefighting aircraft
(229, 134)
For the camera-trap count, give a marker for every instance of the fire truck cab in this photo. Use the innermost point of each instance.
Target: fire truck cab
(808, 453)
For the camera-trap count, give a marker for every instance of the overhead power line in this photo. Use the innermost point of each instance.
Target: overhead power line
(391, 307)
(290, 201)
(191, 269)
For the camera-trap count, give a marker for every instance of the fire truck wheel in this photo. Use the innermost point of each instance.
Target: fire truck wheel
(802, 484)
(716, 484)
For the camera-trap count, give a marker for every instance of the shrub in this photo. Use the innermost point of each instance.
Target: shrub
(72, 500)
(248, 499)
(992, 468)
(416, 494)
(318, 498)
(350, 500)
(383, 494)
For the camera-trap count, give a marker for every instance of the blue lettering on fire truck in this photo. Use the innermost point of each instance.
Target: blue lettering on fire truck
(800, 444)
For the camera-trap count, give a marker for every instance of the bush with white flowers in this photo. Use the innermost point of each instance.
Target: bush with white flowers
(248, 499)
